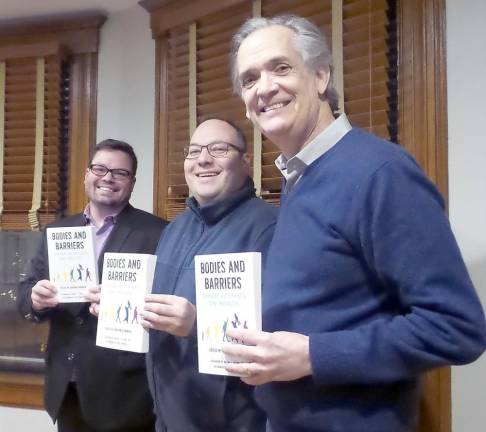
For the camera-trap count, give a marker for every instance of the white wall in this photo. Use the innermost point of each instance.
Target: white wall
(126, 92)
(466, 77)
(23, 420)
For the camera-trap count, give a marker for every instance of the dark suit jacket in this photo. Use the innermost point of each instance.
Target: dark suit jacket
(112, 384)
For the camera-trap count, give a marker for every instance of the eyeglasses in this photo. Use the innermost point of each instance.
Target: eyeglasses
(215, 149)
(116, 173)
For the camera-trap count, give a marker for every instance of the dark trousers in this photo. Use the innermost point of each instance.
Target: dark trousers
(71, 418)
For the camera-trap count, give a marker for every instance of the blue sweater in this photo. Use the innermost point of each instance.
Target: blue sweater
(186, 400)
(363, 261)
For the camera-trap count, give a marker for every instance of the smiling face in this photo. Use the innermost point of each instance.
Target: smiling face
(213, 179)
(105, 193)
(280, 92)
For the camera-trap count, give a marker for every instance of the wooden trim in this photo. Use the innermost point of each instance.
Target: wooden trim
(79, 32)
(82, 126)
(435, 404)
(422, 92)
(257, 8)
(257, 135)
(192, 78)
(423, 131)
(161, 118)
(22, 390)
(2, 129)
(42, 49)
(337, 49)
(183, 12)
(257, 160)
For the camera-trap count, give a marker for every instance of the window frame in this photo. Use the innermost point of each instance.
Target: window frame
(79, 33)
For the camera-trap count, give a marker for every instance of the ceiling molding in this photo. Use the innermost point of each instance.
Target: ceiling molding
(151, 5)
(48, 23)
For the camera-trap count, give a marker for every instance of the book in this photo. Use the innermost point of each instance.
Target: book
(228, 295)
(127, 278)
(73, 266)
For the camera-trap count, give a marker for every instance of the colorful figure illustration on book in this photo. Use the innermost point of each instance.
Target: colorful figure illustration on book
(225, 325)
(76, 274)
(130, 317)
(236, 323)
(135, 315)
(217, 332)
(80, 272)
(128, 306)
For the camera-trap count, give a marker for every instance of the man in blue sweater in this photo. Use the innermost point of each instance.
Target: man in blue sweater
(223, 216)
(364, 287)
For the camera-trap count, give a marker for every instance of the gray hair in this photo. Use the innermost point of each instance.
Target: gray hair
(310, 43)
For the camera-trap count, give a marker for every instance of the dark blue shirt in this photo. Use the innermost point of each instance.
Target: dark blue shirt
(187, 400)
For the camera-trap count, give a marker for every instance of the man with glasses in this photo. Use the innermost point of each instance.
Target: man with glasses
(223, 216)
(89, 388)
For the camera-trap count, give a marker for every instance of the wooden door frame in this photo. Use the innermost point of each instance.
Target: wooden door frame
(422, 130)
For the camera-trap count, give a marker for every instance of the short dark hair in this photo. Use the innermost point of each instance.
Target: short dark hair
(239, 133)
(117, 145)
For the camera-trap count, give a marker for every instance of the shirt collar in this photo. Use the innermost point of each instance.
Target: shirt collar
(87, 216)
(316, 148)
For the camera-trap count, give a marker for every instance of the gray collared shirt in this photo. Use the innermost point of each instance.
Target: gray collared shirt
(293, 168)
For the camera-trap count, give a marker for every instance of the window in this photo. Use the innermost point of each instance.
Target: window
(47, 123)
(405, 103)
(36, 112)
(195, 71)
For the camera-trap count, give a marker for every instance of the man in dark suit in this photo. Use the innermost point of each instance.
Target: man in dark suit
(89, 388)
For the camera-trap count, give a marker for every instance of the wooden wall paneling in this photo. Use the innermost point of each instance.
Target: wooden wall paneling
(423, 131)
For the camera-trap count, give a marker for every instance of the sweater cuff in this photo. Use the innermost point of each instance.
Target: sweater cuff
(333, 359)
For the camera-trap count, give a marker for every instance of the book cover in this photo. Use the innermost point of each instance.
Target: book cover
(72, 261)
(127, 278)
(228, 295)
